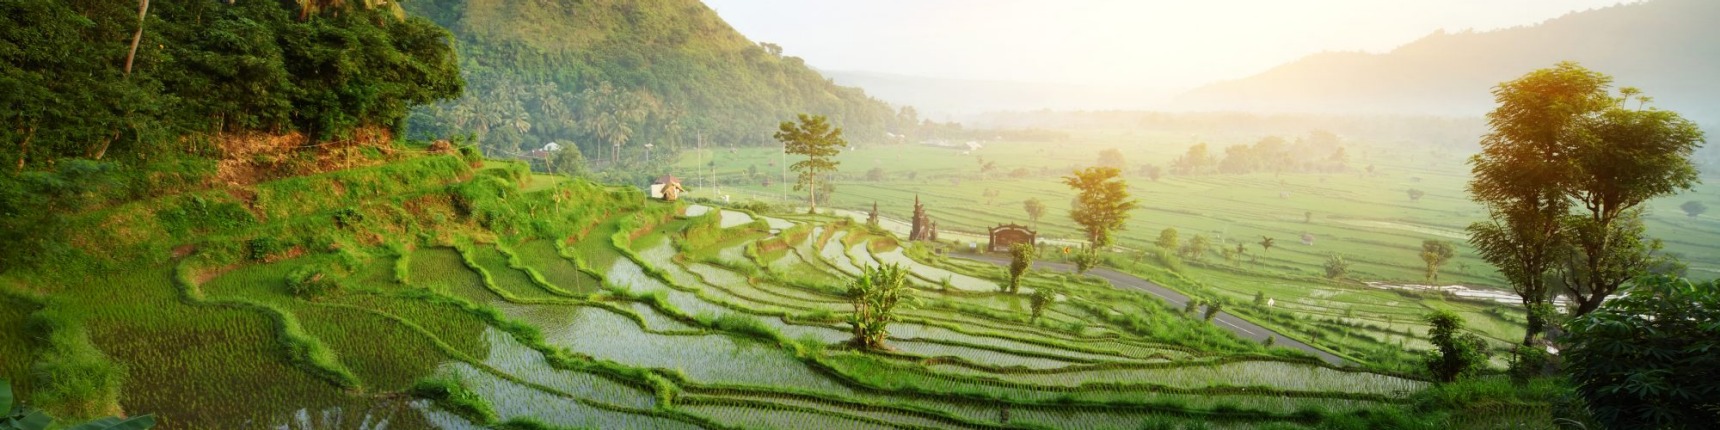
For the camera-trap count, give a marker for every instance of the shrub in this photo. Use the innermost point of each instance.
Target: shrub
(1648, 358)
(266, 247)
(452, 397)
(1456, 353)
(311, 282)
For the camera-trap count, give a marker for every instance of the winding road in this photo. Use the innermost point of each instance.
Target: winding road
(1241, 327)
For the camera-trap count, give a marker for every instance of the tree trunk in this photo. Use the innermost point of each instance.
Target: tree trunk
(812, 195)
(142, 11)
(24, 147)
(1536, 324)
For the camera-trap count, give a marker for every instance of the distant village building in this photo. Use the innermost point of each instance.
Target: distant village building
(545, 152)
(666, 188)
(1308, 239)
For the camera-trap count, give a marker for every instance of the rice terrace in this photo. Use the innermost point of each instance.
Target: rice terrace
(948, 214)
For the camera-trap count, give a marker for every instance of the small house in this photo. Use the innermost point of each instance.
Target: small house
(667, 188)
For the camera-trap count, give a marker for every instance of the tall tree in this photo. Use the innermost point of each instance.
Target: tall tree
(609, 114)
(1035, 209)
(142, 12)
(1020, 259)
(1266, 243)
(1435, 253)
(1622, 156)
(1562, 143)
(1102, 205)
(1518, 176)
(814, 138)
(875, 295)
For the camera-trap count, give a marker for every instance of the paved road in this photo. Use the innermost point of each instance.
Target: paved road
(1241, 327)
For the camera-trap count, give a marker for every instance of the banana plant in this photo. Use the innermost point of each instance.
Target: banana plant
(20, 417)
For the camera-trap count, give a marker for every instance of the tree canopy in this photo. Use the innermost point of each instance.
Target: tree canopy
(1647, 359)
(814, 138)
(1561, 171)
(1102, 205)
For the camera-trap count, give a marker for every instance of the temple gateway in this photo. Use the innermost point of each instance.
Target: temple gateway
(1005, 236)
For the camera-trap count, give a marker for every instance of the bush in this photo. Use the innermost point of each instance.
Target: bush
(266, 247)
(311, 282)
(450, 396)
(1651, 357)
(1456, 353)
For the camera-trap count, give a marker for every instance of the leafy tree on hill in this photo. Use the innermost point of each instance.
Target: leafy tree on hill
(814, 138)
(1035, 209)
(1435, 253)
(1565, 170)
(1693, 208)
(1102, 205)
(876, 295)
(1519, 186)
(1646, 359)
(612, 115)
(1457, 353)
(1020, 259)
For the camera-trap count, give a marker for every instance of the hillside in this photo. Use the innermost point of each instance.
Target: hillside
(443, 291)
(537, 72)
(1452, 73)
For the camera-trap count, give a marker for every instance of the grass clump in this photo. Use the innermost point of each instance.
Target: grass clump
(453, 397)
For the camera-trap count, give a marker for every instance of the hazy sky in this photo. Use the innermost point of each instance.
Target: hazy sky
(1137, 43)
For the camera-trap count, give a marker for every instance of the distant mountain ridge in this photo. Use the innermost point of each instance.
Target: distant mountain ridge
(944, 97)
(1668, 48)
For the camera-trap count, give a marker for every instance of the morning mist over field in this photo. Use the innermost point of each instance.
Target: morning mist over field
(894, 214)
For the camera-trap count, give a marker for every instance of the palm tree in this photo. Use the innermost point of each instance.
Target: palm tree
(1265, 244)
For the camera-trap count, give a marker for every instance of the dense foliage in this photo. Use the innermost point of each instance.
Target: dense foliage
(682, 71)
(1563, 175)
(204, 70)
(875, 295)
(1648, 358)
(815, 139)
(1103, 204)
(1020, 259)
(205, 66)
(1457, 353)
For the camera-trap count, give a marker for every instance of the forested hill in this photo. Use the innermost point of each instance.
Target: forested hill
(1668, 48)
(601, 72)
